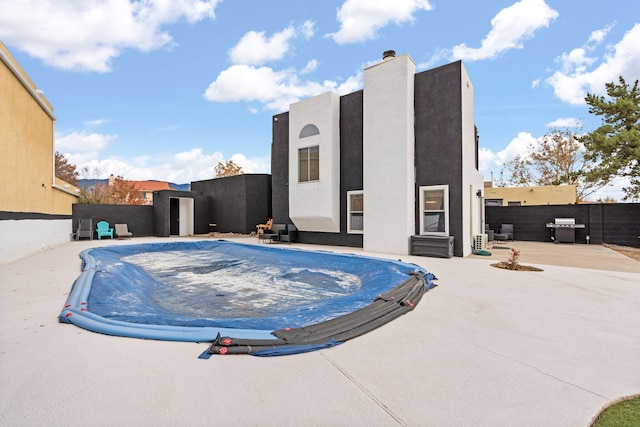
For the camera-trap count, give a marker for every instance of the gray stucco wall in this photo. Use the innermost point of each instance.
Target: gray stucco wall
(438, 132)
(605, 223)
(236, 203)
(351, 173)
(280, 169)
(139, 219)
(162, 210)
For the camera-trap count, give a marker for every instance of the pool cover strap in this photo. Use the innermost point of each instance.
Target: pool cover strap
(386, 307)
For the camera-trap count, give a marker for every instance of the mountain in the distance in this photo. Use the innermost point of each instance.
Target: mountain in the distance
(86, 183)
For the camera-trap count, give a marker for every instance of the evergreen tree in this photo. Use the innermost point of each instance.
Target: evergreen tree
(615, 146)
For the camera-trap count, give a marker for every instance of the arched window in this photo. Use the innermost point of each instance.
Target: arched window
(309, 130)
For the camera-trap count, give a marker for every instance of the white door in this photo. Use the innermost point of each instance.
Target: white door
(186, 217)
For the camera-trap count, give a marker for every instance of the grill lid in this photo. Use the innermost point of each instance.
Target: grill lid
(565, 221)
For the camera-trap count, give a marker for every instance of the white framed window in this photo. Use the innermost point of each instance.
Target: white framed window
(355, 212)
(309, 164)
(434, 210)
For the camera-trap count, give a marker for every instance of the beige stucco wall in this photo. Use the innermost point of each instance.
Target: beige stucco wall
(529, 196)
(26, 146)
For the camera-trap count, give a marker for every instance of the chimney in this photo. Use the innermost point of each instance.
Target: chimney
(388, 55)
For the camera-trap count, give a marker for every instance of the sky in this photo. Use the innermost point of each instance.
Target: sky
(166, 89)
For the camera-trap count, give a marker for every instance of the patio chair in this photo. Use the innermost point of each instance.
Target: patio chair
(508, 230)
(122, 231)
(288, 235)
(489, 232)
(85, 228)
(273, 234)
(261, 228)
(103, 230)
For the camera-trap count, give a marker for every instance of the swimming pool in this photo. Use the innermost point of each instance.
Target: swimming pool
(205, 291)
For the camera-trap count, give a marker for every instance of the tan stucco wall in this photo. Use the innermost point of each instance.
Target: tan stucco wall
(26, 146)
(530, 196)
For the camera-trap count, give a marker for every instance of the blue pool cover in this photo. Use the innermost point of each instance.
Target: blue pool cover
(205, 290)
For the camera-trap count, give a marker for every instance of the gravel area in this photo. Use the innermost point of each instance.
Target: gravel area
(626, 250)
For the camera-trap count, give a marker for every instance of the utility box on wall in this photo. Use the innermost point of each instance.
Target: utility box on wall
(432, 246)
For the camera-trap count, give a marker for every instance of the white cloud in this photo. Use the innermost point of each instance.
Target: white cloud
(613, 190)
(308, 29)
(598, 36)
(180, 168)
(510, 27)
(575, 77)
(84, 150)
(488, 160)
(310, 67)
(256, 49)
(255, 165)
(276, 90)
(351, 84)
(82, 141)
(248, 83)
(96, 122)
(565, 122)
(249, 80)
(87, 35)
(361, 19)
(516, 147)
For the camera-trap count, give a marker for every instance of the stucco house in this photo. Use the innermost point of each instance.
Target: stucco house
(384, 168)
(529, 196)
(35, 206)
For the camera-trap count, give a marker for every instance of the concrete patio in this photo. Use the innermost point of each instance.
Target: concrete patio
(487, 347)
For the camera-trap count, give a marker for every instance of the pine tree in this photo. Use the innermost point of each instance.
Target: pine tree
(615, 146)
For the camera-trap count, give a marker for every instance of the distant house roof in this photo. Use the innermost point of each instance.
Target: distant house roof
(152, 185)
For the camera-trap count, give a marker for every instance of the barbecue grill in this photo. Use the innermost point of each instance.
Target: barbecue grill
(564, 230)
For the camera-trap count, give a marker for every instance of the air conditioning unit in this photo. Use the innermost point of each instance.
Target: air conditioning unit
(480, 242)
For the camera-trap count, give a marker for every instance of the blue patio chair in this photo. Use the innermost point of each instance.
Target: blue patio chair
(103, 229)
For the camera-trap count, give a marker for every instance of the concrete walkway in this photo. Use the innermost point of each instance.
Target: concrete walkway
(487, 347)
(595, 257)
